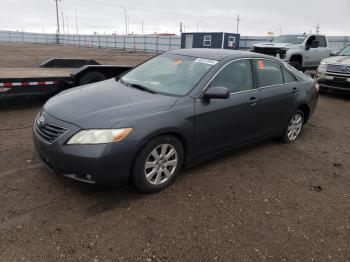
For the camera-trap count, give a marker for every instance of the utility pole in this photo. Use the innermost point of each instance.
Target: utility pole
(238, 20)
(76, 20)
(318, 29)
(126, 19)
(64, 31)
(58, 21)
(142, 27)
(67, 24)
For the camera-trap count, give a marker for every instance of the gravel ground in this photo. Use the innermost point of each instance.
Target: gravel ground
(270, 202)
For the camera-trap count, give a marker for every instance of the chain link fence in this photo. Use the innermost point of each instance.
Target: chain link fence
(145, 43)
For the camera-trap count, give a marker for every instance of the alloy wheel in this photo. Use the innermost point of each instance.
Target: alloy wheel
(294, 127)
(161, 164)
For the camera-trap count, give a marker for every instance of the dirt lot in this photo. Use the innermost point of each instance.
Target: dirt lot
(269, 202)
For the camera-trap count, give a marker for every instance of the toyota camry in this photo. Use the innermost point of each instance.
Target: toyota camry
(174, 110)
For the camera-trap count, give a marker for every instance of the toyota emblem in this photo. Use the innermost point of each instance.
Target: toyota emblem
(40, 121)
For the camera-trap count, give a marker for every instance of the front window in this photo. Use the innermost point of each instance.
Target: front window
(290, 39)
(345, 51)
(236, 76)
(207, 40)
(169, 74)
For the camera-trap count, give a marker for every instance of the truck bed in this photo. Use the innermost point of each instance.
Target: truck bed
(9, 73)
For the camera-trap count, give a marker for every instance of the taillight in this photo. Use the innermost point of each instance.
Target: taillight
(317, 86)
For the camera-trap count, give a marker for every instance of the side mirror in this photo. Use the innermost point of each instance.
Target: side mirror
(217, 92)
(334, 53)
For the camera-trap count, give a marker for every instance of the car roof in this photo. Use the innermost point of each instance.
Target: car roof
(216, 54)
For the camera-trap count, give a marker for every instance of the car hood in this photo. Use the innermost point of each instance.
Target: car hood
(338, 59)
(272, 45)
(105, 104)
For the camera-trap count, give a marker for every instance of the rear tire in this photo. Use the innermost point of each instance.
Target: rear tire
(91, 77)
(157, 164)
(294, 127)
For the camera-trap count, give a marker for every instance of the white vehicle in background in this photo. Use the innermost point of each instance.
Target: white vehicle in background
(301, 51)
(334, 72)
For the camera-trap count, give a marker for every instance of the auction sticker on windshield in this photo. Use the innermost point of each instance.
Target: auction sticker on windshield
(206, 61)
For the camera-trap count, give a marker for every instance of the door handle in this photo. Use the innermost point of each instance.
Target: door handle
(253, 100)
(295, 90)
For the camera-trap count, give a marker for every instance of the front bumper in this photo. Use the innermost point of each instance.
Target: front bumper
(104, 164)
(332, 81)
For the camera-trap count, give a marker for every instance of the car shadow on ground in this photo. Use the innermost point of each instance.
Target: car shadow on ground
(338, 95)
(107, 198)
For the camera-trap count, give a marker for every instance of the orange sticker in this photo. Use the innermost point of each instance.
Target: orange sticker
(177, 62)
(261, 64)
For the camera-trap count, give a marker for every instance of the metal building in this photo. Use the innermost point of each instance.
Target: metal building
(219, 40)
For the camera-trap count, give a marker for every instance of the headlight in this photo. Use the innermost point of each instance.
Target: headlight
(322, 66)
(99, 136)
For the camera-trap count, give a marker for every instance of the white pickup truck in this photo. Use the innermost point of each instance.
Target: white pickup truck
(301, 51)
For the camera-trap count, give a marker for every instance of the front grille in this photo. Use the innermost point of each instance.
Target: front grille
(336, 84)
(49, 132)
(269, 51)
(338, 68)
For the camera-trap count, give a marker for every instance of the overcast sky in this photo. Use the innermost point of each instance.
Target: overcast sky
(106, 16)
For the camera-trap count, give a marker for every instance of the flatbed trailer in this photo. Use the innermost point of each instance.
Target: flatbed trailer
(54, 76)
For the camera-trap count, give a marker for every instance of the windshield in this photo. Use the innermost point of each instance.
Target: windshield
(289, 39)
(345, 51)
(169, 74)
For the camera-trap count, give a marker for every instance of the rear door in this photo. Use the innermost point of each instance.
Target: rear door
(278, 90)
(223, 123)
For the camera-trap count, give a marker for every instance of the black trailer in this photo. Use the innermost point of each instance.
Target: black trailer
(55, 75)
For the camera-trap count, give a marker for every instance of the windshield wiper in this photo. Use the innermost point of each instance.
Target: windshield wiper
(137, 86)
(141, 87)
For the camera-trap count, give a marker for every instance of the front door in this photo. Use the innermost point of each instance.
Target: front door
(311, 54)
(223, 123)
(189, 41)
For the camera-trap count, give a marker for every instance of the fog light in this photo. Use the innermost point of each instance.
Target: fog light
(89, 177)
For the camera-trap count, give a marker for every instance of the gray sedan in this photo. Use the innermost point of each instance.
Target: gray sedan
(174, 110)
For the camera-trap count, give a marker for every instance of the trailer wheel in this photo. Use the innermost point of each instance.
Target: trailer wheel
(91, 77)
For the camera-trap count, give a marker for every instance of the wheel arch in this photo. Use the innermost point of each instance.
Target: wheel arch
(166, 132)
(306, 110)
(297, 57)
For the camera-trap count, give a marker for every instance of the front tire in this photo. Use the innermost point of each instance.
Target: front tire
(294, 127)
(296, 65)
(157, 164)
(91, 77)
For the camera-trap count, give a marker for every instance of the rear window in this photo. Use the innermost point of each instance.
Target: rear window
(288, 76)
(269, 73)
